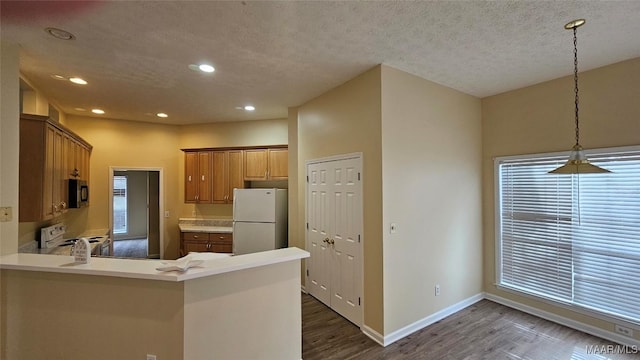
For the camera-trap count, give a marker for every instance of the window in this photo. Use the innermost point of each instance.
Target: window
(573, 239)
(120, 204)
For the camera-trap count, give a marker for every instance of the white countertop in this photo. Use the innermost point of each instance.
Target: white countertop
(146, 269)
(205, 229)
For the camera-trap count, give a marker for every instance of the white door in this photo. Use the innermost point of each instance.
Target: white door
(334, 214)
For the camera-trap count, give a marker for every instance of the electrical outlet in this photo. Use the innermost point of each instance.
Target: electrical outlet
(437, 289)
(393, 228)
(166, 214)
(5, 214)
(151, 357)
(624, 330)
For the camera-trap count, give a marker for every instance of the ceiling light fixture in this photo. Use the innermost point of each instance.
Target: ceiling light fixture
(249, 107)
(80, 109)
(162, 115)
(206, 68)
(97, 111)
(577, 163)
(58, 77)
(77, 80)
(60, 34)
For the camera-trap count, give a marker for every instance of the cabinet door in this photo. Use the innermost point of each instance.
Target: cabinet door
(220, 179)
(255, 164)
(59, 160)
(86, 164)
(204, 177)
(278, 164)
(195, 246)
(221, 242)
(190, 177)
(48, 179)
(235, 172)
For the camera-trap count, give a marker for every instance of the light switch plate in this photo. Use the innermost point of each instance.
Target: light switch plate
(6, 214)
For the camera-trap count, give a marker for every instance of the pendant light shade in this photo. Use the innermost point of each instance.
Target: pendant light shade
(578, 162)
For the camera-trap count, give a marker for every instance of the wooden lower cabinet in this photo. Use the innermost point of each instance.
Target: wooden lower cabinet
(205, 242)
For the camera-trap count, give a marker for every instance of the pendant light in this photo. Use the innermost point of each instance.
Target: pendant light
(577, 163)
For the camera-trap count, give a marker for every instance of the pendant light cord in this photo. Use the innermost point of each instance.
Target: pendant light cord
(575, 80)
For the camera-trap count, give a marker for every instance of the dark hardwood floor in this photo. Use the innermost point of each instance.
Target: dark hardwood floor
(485, 330)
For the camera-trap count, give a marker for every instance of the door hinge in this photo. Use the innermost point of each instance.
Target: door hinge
(307, 178)
(358, 176)
(307, 226)
(358, 237)
(307, 272)
(358, 301)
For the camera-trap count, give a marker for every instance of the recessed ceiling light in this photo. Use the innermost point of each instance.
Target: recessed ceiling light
(77, 80)
(80, 109)
(60, 34)
(162, 115)
(97, 111)
(249, 107)
(206, 68)
(58, 77)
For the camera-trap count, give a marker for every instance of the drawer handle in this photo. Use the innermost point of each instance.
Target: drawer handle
(195, 236)
(221, 238)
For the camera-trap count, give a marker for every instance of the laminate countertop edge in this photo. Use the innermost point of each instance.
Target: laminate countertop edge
(205, 228)
(146, 269)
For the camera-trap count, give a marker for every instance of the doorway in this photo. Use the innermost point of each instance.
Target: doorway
(135, 212)
(334, 233)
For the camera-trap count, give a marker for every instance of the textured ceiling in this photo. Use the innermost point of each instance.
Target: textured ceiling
(135, 54)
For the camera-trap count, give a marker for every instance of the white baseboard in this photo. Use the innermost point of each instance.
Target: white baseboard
(604, 334)
(303, 289)
(372, 334)
(420, 324)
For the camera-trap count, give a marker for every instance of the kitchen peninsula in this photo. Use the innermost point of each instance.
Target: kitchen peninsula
(245, 306)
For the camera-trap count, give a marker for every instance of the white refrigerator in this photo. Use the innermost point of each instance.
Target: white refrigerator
(259, 220)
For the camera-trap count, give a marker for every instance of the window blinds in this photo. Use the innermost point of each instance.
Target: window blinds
(572, 238)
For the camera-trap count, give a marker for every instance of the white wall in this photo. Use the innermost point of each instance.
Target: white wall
(9, 143)
(431, 175)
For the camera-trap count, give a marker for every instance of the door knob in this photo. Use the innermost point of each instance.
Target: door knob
(326, 240)
(332, 242)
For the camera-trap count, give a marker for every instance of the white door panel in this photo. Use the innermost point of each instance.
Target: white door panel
(334, 217)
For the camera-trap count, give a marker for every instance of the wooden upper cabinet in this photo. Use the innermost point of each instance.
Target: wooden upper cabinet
(278, 164)
(256, 164)
(227, 175)
(266, 164)
(235, 171)
(46, 149)
(211, 174)
(197, 177)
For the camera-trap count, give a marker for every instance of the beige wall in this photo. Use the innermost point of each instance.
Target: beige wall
(296, 237)
(9, 137)
(248, 314)
(346, 120)
(87, 317)
(540, 118)
(226, 134)
(431, 176)
(131, 144)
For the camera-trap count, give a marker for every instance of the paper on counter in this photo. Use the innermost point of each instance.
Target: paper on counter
(193, 259)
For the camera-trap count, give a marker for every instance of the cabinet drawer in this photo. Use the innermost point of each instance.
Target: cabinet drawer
(198, 236)
(221, 238)
(221, 248)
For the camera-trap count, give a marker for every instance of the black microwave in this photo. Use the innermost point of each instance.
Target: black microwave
(78, 193)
